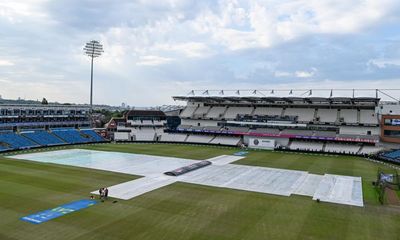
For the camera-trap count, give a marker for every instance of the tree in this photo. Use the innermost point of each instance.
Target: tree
(44, 101)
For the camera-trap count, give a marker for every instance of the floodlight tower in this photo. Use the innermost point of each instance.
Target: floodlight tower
(93, 49)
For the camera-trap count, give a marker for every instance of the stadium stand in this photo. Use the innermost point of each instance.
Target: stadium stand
(199, 138)
(303, 114)
(271, 111)
(96, 137)
(43, 138)
(368, 117)
(225, 140)
(327, 115)
(394, 154)
(201, 112)
(173, 137)
(370, 149)
(145, 134)
(350, 130)
(14, 141)
(307, 146)
(266, 130)
(188, 111)
(3, 147)
(216, 112)
(232, 112)
(342, 148)
(348, 116)
(72, 136)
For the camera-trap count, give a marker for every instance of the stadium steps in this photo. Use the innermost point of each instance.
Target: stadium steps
(283, 112)
(359, 150)
(223, 114)
(55, 135)
(252, 112)
(29, 139)
(187, 136)
(315, 114)
(212, 139)
(208, 111)
(337, 117)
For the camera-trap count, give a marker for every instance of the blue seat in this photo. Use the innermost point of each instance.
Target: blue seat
(393, 155)
(96, 137)
(43, 138)
(14, 141)
(72, 136)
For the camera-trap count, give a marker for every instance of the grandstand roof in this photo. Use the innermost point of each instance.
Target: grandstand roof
(346, 96)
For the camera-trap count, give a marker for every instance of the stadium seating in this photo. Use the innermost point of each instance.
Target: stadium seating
(12, 140)
(93, 134)
(307, 146)
(232, 112)
(122, 136)
(368, 117)
(327, 115)
(145, 134)
(394, 155)
(354, 130)
(35, 138)
(216, 112)
(201, 112)
(199, 138)
(188, 111)
(303, 114)
(261, 111)
(72, 136)
(370, 149)
(342, 148)
(265, 130)
(173, 137)
(43, 138)
(225, 140)
(349, 115)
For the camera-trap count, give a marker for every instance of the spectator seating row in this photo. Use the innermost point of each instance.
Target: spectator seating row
(11, 140)
(38, 138)
(321, 115)
(43, 138)
(392, 155)
(306, 146)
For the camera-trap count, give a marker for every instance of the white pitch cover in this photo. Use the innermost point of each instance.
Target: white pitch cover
(221, 173)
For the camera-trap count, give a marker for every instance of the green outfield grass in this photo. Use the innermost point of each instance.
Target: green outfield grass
(186, 211)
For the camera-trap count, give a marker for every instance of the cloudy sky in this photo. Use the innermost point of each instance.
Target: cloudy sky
(158, 48)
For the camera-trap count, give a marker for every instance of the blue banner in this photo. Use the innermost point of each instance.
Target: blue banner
(49, 214)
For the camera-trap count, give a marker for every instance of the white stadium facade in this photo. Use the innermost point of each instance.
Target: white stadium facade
(344, 121)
